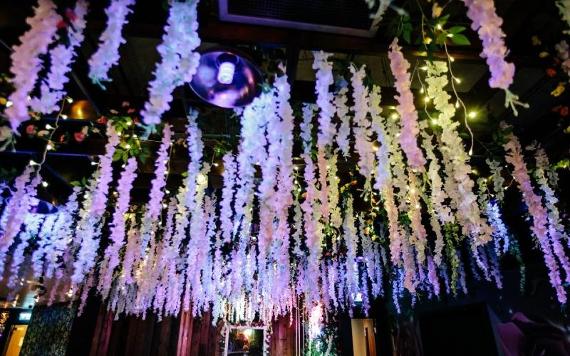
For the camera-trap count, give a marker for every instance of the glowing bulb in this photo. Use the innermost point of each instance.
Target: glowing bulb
(69, 100)
(472, 114)
(424, 68)
(63, 116)
(439, 26)
(426, 99)
(44, 184)
(33, 163)
(129, 123)
(457, 104)
(226, 72)
(216, 164)
(9, 103)
(458, 80)
(49, 147)
(127, 146)
(394, 116)
(49, 127)
(422, 90)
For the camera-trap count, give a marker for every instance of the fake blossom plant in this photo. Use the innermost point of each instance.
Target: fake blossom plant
(179, 61)
(90, 221)
(362, 132)
(406, 109)
(26, 62)
(118, 227)
(25, 187)
(487, 23)
(326, 129)
(538, 213)
(458, 184)
(61, 59)
(107, 54)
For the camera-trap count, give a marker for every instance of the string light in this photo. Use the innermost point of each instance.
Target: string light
(44, 184)
(69, 100)
(63, 116)
(9, 103)
(472, 114)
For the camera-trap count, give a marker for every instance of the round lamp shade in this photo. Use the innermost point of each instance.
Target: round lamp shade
(226, 78)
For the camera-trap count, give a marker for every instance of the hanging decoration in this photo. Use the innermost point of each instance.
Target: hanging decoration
(61, 59)
(487, 23)
(178, 60)
(26, 61)
(283, 234)
(107, 54)
(406, 108)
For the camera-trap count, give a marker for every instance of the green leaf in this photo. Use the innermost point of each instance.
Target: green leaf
(460, 40)
(456, 29)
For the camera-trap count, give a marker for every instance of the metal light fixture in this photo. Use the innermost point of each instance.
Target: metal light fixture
(226, 78)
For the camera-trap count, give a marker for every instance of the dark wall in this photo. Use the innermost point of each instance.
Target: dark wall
(49, 330)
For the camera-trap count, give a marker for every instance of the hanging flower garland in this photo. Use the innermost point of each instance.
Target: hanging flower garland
(26, 62)
(546, 182)
(118, 226)
(343, 135)
(61, 59)
(179, 61)
(487, 23)
(283, 196)
(25, 187)
(311, 212)
(107, 54)
(458, 185)
(94, 206)
(406, 109)
(537, 211)
(226, 212)
(362, 132)
(326, 129)
(439, 212)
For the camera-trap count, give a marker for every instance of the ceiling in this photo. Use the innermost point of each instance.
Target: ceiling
(522, 19)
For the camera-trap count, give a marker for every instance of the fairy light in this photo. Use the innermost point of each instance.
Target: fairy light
(472, 114)
(63, 116)
(69, 100)
(9, 103)
(44, 184)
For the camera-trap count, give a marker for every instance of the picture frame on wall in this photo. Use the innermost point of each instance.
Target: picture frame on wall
(246, 341)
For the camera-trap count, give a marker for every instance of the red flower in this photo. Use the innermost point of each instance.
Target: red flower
(79, 136)
(31, 130)
(102, 120)
(61, 24)
(564, 111)
(551, 72)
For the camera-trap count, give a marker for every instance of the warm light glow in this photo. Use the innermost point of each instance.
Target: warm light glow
(472, 114)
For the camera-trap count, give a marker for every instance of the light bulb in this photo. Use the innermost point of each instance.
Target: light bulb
(226, 72)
